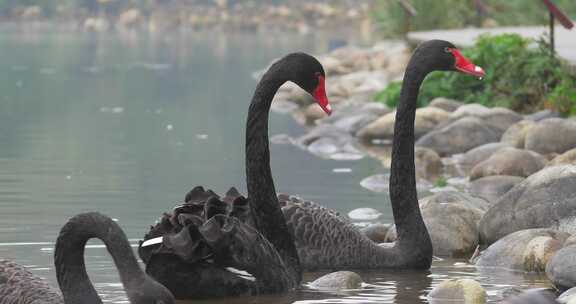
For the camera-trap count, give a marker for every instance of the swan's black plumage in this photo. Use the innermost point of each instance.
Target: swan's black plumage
(326, 241)
(255, 227)
(323, 238)
(18, 285)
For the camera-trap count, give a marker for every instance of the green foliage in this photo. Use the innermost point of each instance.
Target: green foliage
(390, 95)
(563, 97)
(518, 76)
(441, 182)
(443, 14)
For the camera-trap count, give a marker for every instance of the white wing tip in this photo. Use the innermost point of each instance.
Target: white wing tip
(154, 241)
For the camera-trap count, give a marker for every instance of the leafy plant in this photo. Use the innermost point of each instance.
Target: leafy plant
(441, 182)
(563, 97)
(518, 75)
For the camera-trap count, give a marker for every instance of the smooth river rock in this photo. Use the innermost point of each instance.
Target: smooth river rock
(566, 158)
(452, 221)
(552, 135)
(376, 232)
(499, 118)
(509, 161)
(474, 156)
(533, 296)
(338, 280)
(383, 128)
(446, 104)
(459, 136)
(365, 214)
(515, 135)
(546, 199)
(541, 115)
(491, 188)
(455, 197)
(353, 117)
(526, 250)
(561, 269)
(428, 164)
(462, 291)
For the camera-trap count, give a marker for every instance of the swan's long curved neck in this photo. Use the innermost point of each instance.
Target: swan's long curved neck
(264, 203)
(69, 257)
(410, 227)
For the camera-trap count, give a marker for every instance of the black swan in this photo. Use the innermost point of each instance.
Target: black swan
(324, 239)
(18, 285)
(327, 241)
(208, 247)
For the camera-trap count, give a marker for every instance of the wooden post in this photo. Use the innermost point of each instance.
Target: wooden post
(552, 48)
(409, 12)
(407, 24)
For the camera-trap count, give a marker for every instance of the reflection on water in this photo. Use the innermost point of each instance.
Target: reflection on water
(126, 126)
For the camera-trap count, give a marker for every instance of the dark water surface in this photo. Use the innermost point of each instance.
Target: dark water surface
(127, 125)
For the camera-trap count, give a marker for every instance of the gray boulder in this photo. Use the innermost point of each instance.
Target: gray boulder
(541, 115)
(566, 158)
(376, 232)
(533, 296)
(526, 250)
(464, 291)
(455, 197)
(479, 154)
(491, 188)
(515, 135)
(545, 199)
(459, 136)
(509, 161)
(324, 131)
(383, 128)
(452, 222)
(446, 104)
(338, 280)
(552, 135)
(354, 117)
(499, 118)
(472, 109)
(561, 269)
(428, 164)
(335, 148)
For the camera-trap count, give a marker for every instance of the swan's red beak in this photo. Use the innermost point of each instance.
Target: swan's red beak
(320, 95)
(464, 65)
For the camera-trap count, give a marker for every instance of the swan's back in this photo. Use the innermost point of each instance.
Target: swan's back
(19, 286)
(325, 239)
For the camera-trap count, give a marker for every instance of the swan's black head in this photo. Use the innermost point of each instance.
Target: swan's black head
(440, 55)
(151, 292)
(305, 71)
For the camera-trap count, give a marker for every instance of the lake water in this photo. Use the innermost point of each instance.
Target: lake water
(126, 125)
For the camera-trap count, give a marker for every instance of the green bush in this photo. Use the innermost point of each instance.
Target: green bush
(518, 76)
(444, 14)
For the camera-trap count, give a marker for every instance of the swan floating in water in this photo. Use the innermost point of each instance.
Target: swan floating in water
(19, 285)
(182, 244)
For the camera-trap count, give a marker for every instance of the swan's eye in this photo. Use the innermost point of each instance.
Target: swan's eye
(447, 50)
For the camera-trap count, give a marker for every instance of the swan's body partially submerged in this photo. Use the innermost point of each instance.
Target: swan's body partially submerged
(323, 239)
(20, 286)
(208, 242)
(211, 247)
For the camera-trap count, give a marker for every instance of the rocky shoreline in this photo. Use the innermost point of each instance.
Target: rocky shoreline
(497, 187)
